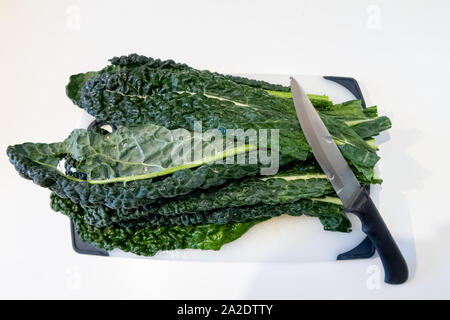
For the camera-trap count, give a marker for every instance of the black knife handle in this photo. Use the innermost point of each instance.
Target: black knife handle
(395, 268)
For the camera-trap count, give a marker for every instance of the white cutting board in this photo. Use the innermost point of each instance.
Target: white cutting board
(284, 238)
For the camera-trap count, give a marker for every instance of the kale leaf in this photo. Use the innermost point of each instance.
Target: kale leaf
(209, 232)
(137, 90)
(148, 241)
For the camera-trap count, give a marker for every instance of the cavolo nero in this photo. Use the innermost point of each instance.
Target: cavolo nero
(125, 190)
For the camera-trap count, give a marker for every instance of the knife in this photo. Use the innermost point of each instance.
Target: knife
(355, 198)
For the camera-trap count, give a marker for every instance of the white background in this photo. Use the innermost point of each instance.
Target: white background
(398, 50)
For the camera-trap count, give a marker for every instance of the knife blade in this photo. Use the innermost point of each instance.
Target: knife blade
(354, 197)
(323, 146)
